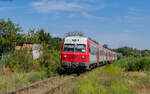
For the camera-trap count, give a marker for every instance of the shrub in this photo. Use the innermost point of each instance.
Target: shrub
(134, 64)
(50, 61)
(20, 60)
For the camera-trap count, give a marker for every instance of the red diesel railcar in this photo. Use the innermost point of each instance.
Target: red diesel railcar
(80, 52)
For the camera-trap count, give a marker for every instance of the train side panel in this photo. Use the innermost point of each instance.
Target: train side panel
(92, 53)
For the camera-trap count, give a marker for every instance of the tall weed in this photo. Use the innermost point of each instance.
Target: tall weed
(109, 80)
(17, 81)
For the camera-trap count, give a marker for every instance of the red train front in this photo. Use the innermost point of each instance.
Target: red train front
(74, 52)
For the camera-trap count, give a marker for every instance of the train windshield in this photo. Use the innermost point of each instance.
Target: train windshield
(75, 48)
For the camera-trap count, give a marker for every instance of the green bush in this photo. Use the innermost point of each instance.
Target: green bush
(20, 60)
(134, 64)
(50, 62)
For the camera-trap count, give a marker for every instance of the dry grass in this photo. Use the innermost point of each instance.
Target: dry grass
(139, 81)
(15, 81)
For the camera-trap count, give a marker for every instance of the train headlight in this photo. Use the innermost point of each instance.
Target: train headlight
(65, 56)
(83, 57)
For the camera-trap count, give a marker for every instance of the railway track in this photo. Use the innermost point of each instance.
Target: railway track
(48, 86)
(57, 90)
(41, 86)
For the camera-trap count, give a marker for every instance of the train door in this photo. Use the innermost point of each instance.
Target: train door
(101, 55)
(98, 59)
(106, 56)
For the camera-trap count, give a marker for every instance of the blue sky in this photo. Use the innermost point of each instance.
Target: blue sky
(114, 22)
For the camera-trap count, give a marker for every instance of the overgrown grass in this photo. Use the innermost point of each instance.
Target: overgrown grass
(15, 81)
(108, 80)
(114, 80)
(20, 70)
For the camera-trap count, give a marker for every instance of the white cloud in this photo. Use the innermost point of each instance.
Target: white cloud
(92, 16)
(133, 18)
(72, 15)
(47, 6)
(6, 8)
(63, 5)
(131, 12)
(132, 9)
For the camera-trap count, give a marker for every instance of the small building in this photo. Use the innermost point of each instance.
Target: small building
(35, 49)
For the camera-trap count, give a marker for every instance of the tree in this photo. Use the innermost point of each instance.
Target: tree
(105, 46)
(32, 36)
(8, 33)
(56, 43)
(43, 36)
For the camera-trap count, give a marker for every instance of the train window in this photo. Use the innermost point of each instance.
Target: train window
(80, 48)
(92, 49)
(74, 48)
(97, 51)
(69, 47)
(101, 52)
(89, 50)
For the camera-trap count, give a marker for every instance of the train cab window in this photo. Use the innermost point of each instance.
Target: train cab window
(80, 48)
(74, 48)
(69, 47)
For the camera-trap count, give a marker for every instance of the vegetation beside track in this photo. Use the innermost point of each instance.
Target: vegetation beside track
(125, 76)
(109, 79)
(16, 73)
(134, 64)
(112, 79)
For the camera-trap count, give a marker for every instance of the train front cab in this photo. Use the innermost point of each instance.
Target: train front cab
(75, 53)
